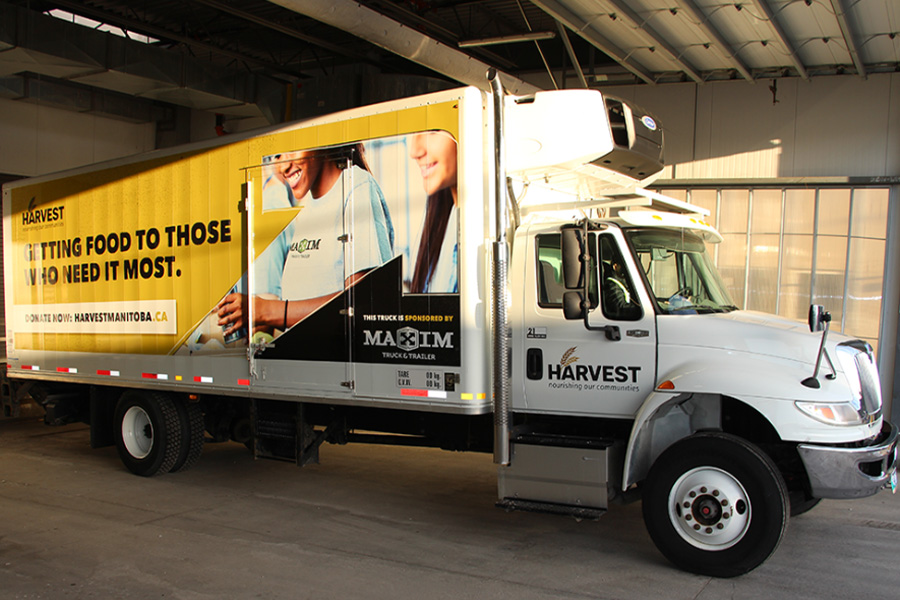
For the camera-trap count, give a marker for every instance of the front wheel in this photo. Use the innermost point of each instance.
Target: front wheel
(716, 505)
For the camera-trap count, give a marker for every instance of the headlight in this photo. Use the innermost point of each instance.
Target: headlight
(833, 413)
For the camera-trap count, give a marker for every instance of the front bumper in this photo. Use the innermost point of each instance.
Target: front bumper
(836, 472)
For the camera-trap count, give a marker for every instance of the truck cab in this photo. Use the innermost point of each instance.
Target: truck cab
(625, 333)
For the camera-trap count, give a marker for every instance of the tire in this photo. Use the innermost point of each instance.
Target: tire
(190, 417)
(148, 432)
(715, 505)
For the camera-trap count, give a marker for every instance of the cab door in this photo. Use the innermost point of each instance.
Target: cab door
(568, 367)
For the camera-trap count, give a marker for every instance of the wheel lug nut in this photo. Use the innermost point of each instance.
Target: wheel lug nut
(688, 517)
(693, 494)
(703, 490)
(725, 502)
(709, 530)
(687, 504)
(719, 526)
(726, 516)
(696, 528)
(716, 493)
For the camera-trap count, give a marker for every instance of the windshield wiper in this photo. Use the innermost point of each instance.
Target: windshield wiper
(701, 309)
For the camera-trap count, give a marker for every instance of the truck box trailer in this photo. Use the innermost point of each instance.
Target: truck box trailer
(463, 270)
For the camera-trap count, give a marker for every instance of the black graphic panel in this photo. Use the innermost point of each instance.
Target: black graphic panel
(388, 327)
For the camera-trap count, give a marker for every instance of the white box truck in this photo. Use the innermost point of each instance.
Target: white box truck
(462, 270)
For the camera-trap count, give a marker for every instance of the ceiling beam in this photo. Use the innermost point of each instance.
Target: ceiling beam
(164, 34)
(634, 19)
(568, 44)
(404, 41)
(288, 31)
(717, 39)
(590, 34)
(783, 38)
(390, 9)
(841, 16)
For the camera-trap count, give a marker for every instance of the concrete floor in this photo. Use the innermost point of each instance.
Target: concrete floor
(368, 523)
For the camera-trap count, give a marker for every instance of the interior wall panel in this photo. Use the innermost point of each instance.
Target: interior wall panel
(39, 139)
(843, 125)
(893, 127)
(828, 126)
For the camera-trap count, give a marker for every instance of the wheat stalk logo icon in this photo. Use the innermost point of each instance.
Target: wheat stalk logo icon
(567, 358)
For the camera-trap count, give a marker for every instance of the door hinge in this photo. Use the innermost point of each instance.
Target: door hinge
(348, 312)
(344, 238)
(348, 384)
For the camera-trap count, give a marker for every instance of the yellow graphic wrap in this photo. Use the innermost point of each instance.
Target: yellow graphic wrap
(133, 258)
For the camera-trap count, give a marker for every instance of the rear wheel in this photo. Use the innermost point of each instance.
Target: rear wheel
(148, 432)
(714, 504)
(190, 417)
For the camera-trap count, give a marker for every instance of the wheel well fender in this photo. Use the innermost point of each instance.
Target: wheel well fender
(665, 418)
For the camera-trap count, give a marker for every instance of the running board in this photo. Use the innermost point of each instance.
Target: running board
(579, 512)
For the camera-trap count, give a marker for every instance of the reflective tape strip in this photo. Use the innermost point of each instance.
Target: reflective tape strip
(31, 367)
(154, 376)
(243, 382)
(423, 393)
(66, 370)
(200, 379)
(108, 373)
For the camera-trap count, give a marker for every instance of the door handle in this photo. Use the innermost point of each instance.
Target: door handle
(534, 364)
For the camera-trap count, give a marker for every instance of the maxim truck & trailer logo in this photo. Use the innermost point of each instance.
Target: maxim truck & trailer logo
(411, 343)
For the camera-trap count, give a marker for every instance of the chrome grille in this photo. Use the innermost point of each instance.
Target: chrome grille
(869, 382)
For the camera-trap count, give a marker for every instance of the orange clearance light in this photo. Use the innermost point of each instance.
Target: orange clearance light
(666, 385)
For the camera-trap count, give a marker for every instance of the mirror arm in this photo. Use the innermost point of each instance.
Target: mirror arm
(813, 382)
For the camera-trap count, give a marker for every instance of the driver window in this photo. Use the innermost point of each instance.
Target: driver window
(549, 271)
(620, 300)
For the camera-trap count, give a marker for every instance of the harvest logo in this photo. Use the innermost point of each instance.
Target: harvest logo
(567, 370)
(567, 358)
(39, 216)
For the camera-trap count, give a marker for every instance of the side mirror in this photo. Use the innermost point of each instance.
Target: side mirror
(573, 305)
(818, 317)
(573, 255)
